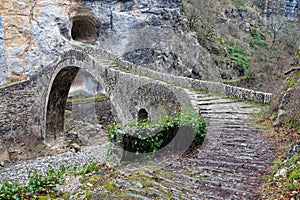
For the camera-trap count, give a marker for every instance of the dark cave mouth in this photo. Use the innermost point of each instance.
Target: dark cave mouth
(84, 30)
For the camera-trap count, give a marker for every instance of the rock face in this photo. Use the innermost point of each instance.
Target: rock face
(150, 33)
(289, 9)
(289, 108)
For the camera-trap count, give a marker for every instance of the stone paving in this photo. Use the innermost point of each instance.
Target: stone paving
(231, 163)
(233, 159)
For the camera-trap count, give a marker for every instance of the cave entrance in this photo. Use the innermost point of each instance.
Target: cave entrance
(143, 115)
(83, 30)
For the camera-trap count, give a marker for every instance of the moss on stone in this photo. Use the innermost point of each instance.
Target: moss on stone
(98, 97)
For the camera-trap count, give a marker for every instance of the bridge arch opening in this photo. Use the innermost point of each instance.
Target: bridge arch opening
(57, 101)
(77, 103)
(143, 115)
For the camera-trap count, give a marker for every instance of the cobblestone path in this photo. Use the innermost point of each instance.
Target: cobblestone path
(231, 163)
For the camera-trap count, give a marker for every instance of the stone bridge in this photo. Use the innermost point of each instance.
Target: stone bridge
(42, 100)
(129, 93)
(230, 164)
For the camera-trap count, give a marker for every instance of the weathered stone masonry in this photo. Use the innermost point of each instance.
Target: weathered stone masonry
(54, 81)
(16, 104)
(2, 55)
(216, 87)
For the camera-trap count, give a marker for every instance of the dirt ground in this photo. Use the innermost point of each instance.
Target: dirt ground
(23, 147)
(30, 146)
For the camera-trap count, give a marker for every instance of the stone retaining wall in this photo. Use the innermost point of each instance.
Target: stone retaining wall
(16, 103)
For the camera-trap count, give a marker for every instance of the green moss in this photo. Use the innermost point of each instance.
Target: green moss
(121, 67)
(146, 181)
(110, 185)
(98, 97)
(236, 80)
(45, 198)
(88, 194)
(295, 175)
(291, 82)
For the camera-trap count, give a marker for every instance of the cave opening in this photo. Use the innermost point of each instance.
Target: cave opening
(83, 30)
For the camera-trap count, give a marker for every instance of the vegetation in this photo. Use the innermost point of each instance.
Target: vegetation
(284, 180)
(237, 54)
(260, 54)
(267, 47)
(193, 19)
(258, 39)
(42, 187)
(37, 186)
(147, 136)
(82, 99)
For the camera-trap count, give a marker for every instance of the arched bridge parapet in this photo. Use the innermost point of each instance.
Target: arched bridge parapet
(215, 87)
(122, 87)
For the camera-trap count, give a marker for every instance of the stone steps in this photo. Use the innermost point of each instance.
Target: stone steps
(231, 162)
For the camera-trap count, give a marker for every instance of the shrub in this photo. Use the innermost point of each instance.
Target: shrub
(147, 137)
(38, 185)
(257, 39)
(193, 17)
(237, 54)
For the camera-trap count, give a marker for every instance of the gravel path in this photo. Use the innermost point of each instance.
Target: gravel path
(18, 171)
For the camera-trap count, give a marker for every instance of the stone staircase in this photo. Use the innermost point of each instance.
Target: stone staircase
(231, 163)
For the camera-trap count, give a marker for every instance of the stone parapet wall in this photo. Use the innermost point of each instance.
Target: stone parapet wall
(16, 103)
(215, 87)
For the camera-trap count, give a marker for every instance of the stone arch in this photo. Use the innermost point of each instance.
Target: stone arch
(156, 99)
(57, 100)
(66, 68)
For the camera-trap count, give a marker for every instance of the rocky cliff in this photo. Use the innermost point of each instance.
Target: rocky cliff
(152, 33)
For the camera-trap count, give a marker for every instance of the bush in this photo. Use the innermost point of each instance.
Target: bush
(193, 17)
(147, 137)
(258, 39)
(237, 54)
